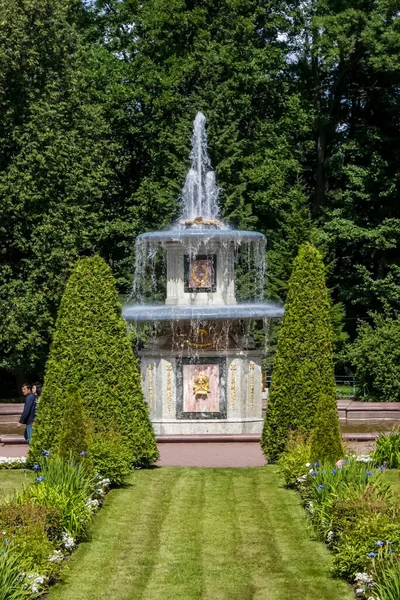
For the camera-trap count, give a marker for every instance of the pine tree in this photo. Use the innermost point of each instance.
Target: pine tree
(91, 350)
(303, 367)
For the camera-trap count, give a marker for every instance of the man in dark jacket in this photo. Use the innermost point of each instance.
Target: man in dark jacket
(28, 416)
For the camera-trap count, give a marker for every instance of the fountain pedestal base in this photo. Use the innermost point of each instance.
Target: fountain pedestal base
(210, 393)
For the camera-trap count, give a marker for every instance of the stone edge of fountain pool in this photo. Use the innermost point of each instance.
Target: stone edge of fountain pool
(163, 312)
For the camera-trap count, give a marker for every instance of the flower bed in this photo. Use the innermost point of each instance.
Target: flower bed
(42, 524)
(12, 462)
(356, 512)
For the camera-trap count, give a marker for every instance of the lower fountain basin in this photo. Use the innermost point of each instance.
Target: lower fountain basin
(162, 312)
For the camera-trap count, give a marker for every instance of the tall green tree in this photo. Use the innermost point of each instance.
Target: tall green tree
(375, 355)
(227, 59)
(91, 350)
(347, 59)
(303, 367)
(61, 156)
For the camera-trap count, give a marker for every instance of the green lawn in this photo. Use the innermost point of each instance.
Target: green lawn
(210, 534)
(11, 480)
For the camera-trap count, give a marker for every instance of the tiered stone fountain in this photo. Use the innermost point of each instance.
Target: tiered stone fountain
(201, 371)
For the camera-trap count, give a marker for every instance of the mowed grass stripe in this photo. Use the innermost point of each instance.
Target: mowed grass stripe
(177, 574)
(225, 575)
(124, 543)
(209, 534)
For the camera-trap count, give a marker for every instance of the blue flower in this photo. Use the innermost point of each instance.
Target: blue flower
(36, 468)
(372, 554)
(316, 464)
(83, 453)
(6, 541)
(45, 452)
(3, 552)
(313, 472)
(390, 551)
(369, 473)
(333, 471)
(379, 543)
(39, 479)
(321, 487)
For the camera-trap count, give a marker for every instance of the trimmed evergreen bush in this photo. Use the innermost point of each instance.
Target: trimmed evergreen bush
(91, 350)
(110, 457)
(74, 437)
(326, 442)
(303, 366)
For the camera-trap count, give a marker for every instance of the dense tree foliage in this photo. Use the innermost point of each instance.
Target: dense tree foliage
(376, 358)
(91, 350)
(97, 100)
(303, 367)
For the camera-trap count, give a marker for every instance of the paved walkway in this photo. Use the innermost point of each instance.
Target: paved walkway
(213, 455)
(210, 454)
(189, 455)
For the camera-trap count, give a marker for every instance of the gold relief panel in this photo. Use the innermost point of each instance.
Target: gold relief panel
(150, 368)
(169, 387)
(233, 384)
(251, 367)
(200, 273)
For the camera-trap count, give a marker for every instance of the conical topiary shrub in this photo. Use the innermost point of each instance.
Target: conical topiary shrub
(91, 350)
(326, 443)
(74, 435)
(303, 366)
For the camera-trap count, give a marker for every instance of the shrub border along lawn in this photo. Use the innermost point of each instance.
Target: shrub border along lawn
(354, 510)
(51, 480)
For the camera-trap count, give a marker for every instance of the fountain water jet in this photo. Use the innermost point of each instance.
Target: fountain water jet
(201, 371)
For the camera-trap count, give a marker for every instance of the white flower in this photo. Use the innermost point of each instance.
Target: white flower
(68, 541)
(92, 504)
(308, 465)
(56, 557)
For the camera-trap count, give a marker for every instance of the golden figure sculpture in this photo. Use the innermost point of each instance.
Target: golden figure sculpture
(201, 384)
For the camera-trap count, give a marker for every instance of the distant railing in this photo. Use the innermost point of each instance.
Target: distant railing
(345, 385)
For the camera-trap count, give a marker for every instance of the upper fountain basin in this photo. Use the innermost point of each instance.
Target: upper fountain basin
(201, 233)
(162, 312)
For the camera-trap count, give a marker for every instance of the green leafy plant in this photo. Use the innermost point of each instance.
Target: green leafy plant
(111, 457)
(292, 463)
(91, 350)
(11, 578)
(387, 449)
(388, 585)
(34, 531)
(66, 487)
(74, 437)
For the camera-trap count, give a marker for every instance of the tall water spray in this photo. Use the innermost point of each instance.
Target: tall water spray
(200, 194)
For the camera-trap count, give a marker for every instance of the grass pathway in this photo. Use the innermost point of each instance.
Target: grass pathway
(209, 534)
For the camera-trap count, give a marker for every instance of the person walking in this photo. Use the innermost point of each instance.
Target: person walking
(37, 390)
(29, 412)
